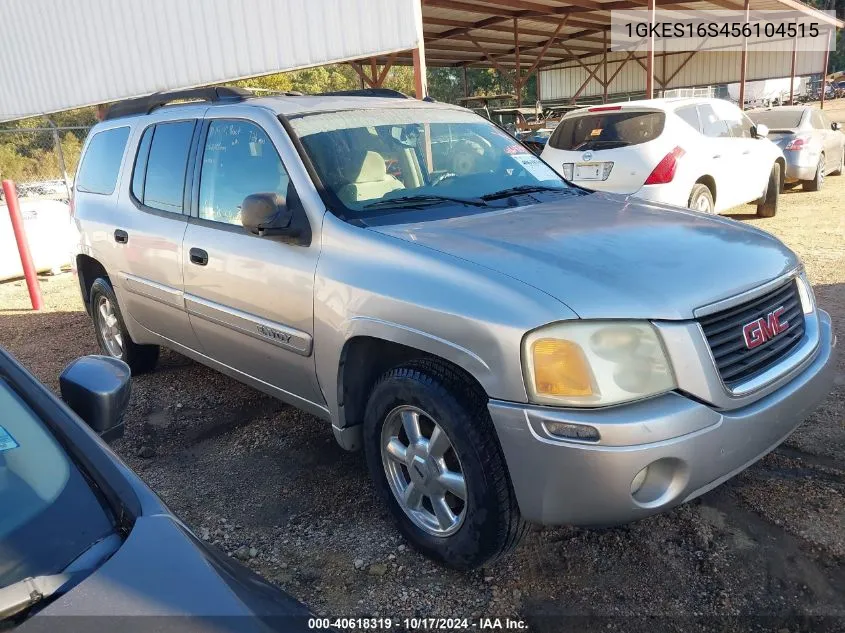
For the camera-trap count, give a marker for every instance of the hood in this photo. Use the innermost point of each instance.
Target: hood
(179, 584)
(611, 256)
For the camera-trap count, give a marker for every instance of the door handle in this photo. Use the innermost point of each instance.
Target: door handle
(198, 256)
(748, 151)
(121, 236)
(717, 155)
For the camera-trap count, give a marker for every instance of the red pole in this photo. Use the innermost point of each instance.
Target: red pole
(23, 245)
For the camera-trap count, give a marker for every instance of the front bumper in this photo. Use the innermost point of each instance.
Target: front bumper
(689, 447)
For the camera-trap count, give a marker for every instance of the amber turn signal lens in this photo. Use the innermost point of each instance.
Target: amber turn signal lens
(560, 368)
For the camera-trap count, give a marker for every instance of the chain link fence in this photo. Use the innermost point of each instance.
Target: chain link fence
(41, 159)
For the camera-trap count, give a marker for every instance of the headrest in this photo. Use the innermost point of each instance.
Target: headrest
(372, 168)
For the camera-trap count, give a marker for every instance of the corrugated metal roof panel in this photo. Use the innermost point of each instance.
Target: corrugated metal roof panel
(60, 54)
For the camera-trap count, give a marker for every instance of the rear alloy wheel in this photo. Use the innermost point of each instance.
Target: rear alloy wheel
(816, 183)
(435, 460)
(700, 199)
(111, 331)
(768, 205)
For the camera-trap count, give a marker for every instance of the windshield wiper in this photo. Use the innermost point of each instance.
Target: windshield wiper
(25, 594)
(424, 199)
(30, 591)
(512, 191)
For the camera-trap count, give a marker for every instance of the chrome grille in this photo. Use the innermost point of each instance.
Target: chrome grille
(723, 330)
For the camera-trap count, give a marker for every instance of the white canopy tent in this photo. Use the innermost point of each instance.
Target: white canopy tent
(62, 54)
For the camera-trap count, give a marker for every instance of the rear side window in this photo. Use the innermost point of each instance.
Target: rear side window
(689, 114)
(711, 124)
(607, 130)
(101, 163)
(164, 181)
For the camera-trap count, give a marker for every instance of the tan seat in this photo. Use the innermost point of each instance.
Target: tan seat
(371, 182)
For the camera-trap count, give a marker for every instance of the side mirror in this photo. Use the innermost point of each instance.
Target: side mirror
(836, 125)
(760, 131)
(97, 389)
(266, 214)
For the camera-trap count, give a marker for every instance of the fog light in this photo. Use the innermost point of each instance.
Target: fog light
(639, 480)
(573, 431)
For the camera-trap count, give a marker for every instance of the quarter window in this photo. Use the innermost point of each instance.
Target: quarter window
(239, 160)
(164, 185)
(101, 164)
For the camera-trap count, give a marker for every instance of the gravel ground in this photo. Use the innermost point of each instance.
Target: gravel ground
(268, 484)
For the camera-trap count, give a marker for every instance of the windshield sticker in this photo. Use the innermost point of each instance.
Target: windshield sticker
(596, 132)
(515, 149)
(7, 442)
(535, 166)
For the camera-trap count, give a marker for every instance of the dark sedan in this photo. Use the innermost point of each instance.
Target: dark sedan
(812, 144)
(85, 544)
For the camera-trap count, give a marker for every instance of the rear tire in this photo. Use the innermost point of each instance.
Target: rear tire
(700, 199)
(111, 332)
(818, 181)
(768, 205)
(482, 526)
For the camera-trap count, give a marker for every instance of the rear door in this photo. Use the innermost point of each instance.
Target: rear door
(250, 298)
(608, 148)
(150, 227)
(725, 153)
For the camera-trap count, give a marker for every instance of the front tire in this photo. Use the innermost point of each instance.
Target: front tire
(435, 460)
(700, 199)
(818, 180)
(768, 205)
(111, 332)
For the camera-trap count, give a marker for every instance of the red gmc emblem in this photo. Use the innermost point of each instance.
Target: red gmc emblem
(761, 330)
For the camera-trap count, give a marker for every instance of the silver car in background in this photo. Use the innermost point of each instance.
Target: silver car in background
(813, 145)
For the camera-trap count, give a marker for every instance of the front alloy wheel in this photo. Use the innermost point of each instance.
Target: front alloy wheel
(435, 460)
(423, 471)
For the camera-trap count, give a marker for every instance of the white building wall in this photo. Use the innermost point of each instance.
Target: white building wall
(703, 69)
(60, 54)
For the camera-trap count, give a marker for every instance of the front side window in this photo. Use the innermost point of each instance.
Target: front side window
(101, 163)
(239, 160)
(164, 185)
(49, 514)
(607, 130)
(395, 158)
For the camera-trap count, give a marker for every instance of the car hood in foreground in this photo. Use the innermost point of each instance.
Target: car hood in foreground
(608, 256)
(164, 579)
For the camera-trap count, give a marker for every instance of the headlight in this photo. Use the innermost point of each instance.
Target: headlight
(595, 363)
(805, 293)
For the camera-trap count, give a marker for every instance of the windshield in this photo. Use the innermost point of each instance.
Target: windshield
(49, 513)
(778, 119)
(607, 130)
(374, 160)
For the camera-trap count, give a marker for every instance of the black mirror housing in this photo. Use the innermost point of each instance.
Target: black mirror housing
(836, 125)
(266, 214)
(97, 388)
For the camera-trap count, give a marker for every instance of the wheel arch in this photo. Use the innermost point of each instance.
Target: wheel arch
(366, 356)
(709, 182)
(88, 270)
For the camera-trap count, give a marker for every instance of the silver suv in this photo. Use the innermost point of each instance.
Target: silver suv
(505, 347)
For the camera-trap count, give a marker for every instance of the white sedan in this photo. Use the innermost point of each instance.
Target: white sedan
(704, 154)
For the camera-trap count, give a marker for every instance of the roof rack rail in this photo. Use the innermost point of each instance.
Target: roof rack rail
(366, 92)
(145, 105)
